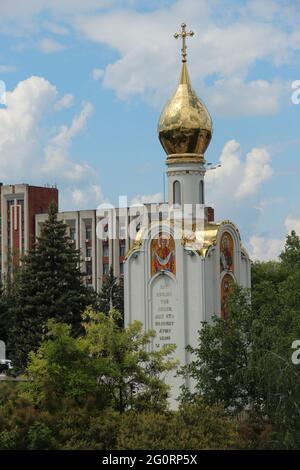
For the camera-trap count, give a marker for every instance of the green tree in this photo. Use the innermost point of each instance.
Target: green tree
(61, 371)
(112, 295)
(221, 357)
(291, 253)
(49, 285)
(7, 295)
(4, 316)
(244, 362)
(107, 366)
(133, 374)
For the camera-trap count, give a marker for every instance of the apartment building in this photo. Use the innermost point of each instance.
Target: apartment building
(104, 236)
(19, 205)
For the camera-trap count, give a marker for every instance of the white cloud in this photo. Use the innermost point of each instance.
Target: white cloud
(265, 10)
(31, 8)
(97, 74)
(228, 49)
(292, 223)
(21, 18)
(49, 46)
(55, 28)
(78, 196)
(20, 132)
(38, 152)
(7, 68)
(233, 97)
(237, 178)
(65, 102)
(257, 169)
(229, 46)
(234, 189)
(219, 182)
(144, 199)
(87, 197)
(57, 161)
(264, 203)
(265, 249)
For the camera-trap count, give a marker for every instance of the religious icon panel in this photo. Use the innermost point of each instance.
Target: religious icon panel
(226, 285)
(163, 254)
(226, 252)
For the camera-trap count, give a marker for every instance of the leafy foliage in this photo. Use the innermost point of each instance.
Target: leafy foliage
(7, 294)
(108, 364)
(244, 362)
(193, 426)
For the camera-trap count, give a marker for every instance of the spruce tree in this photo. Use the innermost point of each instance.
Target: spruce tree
(3, 315)
(49, 285)
(112, 295)
(290, 256)
(6, 302)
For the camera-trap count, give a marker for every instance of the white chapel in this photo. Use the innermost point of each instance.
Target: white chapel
(181, 266)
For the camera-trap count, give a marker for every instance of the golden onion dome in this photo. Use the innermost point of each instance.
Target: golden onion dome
(185, 126)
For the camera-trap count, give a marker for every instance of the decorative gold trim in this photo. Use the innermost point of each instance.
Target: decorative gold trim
(185, 158)
(205, 238)
(135, 247)
(210, 237)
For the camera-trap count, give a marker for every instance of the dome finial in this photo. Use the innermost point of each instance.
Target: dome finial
(183, 35)
(185, 125)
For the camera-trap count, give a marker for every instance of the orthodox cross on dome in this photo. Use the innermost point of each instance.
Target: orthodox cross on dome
(183, 35)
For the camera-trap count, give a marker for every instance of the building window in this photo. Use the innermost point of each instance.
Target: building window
(105, 250)
(88, 233)
(105, 269)
(89, 269)
(73, 233)
(122, 232)
(176, 193)
(201, 192)
(121, 269)
(122, 250)
(89, 252)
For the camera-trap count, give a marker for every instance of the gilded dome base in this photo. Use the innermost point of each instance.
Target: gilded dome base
(185, 158)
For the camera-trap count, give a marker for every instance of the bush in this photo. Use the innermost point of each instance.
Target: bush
(40, 437)
(194, 426)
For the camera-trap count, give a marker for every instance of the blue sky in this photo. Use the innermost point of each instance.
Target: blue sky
(86, 82)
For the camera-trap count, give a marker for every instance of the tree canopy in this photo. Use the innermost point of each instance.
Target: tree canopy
(244, 362)
(107, 363)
